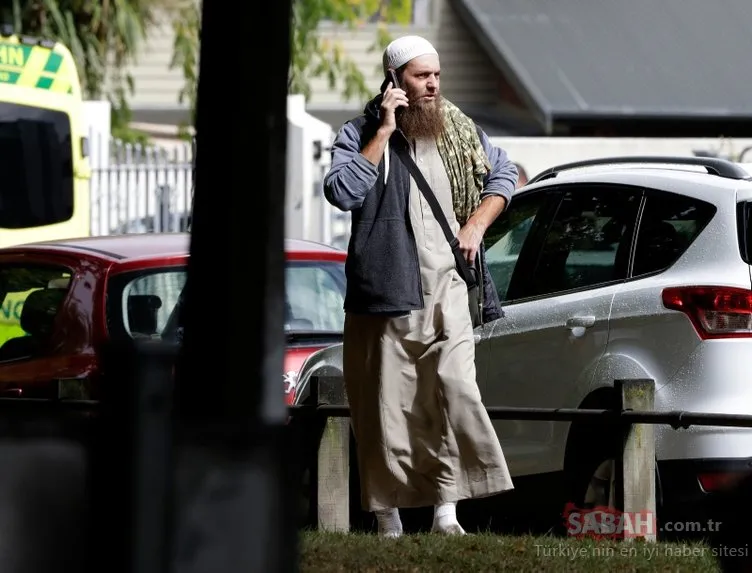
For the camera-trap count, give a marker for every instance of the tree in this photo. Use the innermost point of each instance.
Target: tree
(187, 28)
(311, 55)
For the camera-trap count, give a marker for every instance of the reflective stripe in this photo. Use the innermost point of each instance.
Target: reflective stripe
(53, 63)
(9, 77)
(61, 84)
(34, 67)
(34, 62)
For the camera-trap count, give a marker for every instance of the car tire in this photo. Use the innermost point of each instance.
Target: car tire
(586, 473)
(589, 469)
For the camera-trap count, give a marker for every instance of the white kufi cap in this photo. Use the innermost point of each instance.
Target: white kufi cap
(404, 49)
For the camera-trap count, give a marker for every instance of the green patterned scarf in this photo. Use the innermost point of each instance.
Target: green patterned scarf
(465, 160)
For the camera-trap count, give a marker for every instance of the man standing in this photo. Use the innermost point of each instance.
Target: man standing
(423, 435)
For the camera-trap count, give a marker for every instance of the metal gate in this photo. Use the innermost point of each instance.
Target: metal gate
(140, 189)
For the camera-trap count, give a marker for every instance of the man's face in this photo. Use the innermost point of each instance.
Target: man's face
(420, 80)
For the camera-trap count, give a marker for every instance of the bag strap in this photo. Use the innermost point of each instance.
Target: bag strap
(463, 267)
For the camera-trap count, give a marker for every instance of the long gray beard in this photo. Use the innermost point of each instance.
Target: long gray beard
(422, 121)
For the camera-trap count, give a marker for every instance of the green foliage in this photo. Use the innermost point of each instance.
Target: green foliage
(314, 56)
(120, 121)
(185, 55)
(311, 55)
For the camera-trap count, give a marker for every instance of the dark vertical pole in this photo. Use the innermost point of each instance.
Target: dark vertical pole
(42, 492)
(231, 512)
(130, 466)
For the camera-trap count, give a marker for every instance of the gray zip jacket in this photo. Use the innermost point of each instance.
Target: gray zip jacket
(382, 269)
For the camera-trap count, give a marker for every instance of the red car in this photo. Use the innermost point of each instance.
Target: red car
(314, 301)
(62, 299)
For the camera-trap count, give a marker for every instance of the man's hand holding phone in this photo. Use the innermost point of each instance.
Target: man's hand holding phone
(394, 98)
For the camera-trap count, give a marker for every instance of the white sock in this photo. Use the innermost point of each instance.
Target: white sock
(390, 524)
(445, 510)
(445, 518)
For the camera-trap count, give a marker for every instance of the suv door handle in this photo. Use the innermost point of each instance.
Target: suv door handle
(581, 321)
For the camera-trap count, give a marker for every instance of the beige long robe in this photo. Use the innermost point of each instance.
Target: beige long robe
(423, 436)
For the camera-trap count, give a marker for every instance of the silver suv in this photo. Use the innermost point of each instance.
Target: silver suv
(635, 267)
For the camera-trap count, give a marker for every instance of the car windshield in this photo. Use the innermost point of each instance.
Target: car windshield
(314, 296)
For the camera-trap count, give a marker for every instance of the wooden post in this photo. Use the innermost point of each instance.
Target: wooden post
(333, 472)
(638, 461)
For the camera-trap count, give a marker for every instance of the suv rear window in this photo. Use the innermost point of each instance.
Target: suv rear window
(668, 226)
(744, 221)
(32, 296)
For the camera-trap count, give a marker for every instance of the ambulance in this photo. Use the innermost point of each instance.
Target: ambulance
(44, 161)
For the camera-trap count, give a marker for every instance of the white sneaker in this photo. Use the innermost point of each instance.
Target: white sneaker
(390, 534)
(447, 527)
(390, 524)
(445, 520)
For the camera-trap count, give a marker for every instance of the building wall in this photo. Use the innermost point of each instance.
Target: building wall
(156, 85)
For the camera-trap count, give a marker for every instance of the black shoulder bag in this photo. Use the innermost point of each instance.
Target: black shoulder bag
(468, 273)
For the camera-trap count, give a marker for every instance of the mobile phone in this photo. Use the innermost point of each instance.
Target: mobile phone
(392, 77)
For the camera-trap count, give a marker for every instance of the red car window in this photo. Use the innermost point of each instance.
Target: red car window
(314, 296)
(141, 303)
(32, 296)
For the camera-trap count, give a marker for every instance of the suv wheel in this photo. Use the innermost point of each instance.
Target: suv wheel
(594, 481)
(601, 488)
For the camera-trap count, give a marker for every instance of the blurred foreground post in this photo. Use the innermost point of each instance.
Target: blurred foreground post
(42, 488)
(232, 513)
(130, 467)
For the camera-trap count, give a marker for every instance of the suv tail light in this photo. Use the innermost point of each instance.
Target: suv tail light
(715, 312)
(712, 482)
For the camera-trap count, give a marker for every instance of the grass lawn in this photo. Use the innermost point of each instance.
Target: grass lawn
(320, 551)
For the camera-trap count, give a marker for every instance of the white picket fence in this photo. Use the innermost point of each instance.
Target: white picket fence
(145, 189)
(139, 189)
